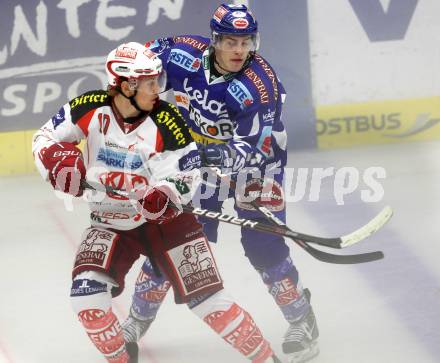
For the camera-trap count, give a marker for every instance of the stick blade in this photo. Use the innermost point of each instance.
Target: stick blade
(347, 259)
(371, 227)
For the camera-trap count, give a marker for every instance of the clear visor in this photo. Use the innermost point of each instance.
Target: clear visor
(236, 43)
(151, 85)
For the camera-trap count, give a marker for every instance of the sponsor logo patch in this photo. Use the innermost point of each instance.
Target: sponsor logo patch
(202, 98)
(246, 336)
(164, 117)
(190, 161)
(103, 217)
(196, 268)
(180, 185)
(96, 248)
(184, 60)
(90, 315)
(192, 42)
(119, 159)
(126, 52)
(265, 140)
(241, 94)
(59, 118)
(156, 296)
(87, 287)
(240, 23)
(150, 290)
(269, 116)
(123, 182)
(182, 100)
(261, 88)
(220, 129)
(269, 73)
(285, 291)
(104, 330)
(220, 13)
(84, 99)
(269, 195)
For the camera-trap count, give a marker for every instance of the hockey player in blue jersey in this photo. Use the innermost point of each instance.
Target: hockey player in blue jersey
(231, 99)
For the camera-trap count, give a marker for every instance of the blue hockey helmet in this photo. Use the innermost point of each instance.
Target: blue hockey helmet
(231, 19)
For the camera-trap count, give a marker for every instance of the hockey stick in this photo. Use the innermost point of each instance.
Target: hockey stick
(256, 225)
(337, 242)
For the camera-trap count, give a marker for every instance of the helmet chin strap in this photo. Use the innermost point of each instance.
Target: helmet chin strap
(132, 100)
(134, 103)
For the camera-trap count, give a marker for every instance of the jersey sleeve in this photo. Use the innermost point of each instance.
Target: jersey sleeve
(177, 53)
(162, 47)
(254, 124)
(70, 124)
(59, 128)
(179, 162)
(167, 167)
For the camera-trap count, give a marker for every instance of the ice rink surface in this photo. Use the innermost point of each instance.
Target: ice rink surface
(383, 312)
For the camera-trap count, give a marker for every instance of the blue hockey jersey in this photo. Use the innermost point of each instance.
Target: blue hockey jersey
(242, 109)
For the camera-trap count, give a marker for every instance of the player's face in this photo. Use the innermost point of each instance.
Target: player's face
(232, 51)
(147, 92)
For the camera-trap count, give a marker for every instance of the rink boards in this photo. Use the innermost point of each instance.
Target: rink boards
(16, 152)
(378, 122)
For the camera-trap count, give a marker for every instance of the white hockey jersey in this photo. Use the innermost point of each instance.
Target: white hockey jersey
(156, 148)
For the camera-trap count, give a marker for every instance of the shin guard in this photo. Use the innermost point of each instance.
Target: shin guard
(235, 326)
(91, 300)
(285, 287)
(150, 291)
(105, 332)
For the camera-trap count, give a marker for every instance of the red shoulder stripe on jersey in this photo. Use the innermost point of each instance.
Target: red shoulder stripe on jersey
(84, 122)
(159, 141)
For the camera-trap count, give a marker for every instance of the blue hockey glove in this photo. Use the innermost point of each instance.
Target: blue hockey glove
(219, 155)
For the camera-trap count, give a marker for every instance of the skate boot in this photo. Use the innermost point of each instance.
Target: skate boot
(300, 341)
(133, 351)
(134, 329)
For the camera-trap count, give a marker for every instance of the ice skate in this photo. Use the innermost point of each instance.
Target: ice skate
(300, 341)
(134, 329)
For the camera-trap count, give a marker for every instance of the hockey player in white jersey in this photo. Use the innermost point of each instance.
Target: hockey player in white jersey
(137, 143)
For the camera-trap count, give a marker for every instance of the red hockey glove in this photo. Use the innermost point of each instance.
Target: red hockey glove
(156, 206)
(64, 162)
(268, 194)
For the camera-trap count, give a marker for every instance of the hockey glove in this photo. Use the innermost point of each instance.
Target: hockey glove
(65, 164)
(218, 155)
(156, 206)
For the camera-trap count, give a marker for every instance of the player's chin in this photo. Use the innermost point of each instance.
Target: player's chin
(235, 66)
(148, 105)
